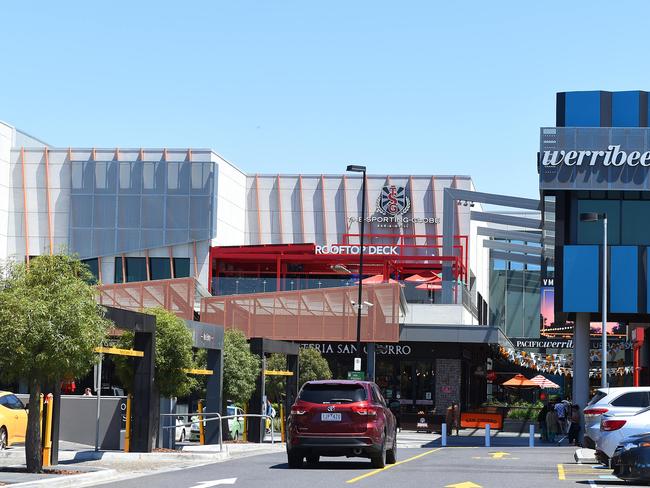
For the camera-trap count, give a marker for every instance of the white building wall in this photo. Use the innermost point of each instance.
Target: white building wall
(288, 209)
(230, 204)
(7, 133)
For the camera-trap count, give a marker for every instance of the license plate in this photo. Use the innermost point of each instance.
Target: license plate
(330, 417)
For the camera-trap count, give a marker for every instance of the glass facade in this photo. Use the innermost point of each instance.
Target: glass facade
(626, 221)
(126, 206)
(515, 298)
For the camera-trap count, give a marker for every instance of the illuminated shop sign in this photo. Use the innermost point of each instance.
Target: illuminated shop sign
(594, 158)
(354, 249)
(392, 206)
(614, 156)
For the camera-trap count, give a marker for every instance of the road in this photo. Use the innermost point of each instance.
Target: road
(457, 467)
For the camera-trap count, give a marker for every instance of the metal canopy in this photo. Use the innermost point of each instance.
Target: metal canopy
(517, 258)
(516, 235)
(451, 195)
(513, 220)
(510, 247)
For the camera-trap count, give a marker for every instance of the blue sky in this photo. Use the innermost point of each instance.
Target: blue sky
(421, 87)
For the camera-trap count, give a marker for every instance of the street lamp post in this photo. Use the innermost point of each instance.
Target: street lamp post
(592, 217)
(360, 169)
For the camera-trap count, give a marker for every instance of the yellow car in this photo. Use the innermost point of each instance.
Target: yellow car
(13, 419)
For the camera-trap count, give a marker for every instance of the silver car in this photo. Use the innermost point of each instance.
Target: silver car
(614, 401)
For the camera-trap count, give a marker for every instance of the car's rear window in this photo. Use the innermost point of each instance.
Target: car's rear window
(332, 393)
(597, 397)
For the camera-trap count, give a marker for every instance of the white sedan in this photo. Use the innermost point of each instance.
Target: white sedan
(616, 428)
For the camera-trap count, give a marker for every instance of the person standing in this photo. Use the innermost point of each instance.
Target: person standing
(575, 427)
(552, 424)
(541, 421)
(561, 412)
(452, 418)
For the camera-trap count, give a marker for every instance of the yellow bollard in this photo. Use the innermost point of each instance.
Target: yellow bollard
(47, 445)
(245, 435)
(201, 428)
(40, 419)
(127, 430)
(282, 422)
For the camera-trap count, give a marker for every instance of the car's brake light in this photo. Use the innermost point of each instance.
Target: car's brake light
(608, 425)
(595, 411)
(363, 410)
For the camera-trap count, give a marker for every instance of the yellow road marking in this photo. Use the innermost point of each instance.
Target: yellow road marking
(377, 471)
(560, 472)
(499, 454)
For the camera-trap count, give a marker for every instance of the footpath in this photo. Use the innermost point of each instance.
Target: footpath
(81, 466)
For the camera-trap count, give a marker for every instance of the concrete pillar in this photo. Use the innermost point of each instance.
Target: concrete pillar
(581, 360)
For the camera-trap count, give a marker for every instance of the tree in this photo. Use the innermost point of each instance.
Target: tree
(312, 366)
(240, 368)
(173, 356)
(50, 325)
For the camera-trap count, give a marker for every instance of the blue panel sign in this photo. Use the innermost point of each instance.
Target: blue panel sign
(624, 279)
(581, 279)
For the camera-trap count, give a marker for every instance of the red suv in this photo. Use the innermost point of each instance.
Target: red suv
(341, 418)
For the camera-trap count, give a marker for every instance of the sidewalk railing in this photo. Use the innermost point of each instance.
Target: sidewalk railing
(215, 416)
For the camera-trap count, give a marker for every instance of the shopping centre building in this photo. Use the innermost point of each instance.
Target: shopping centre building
(277, 256)
(595, 161)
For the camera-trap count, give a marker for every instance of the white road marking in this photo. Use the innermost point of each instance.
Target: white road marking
(207, 484)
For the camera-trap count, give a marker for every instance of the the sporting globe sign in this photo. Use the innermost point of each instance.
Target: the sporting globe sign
(392, 206)
(598, 158)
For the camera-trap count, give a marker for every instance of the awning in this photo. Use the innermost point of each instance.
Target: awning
(463, 334)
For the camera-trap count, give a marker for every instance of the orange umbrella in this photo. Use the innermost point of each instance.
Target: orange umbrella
(429, 285)
(424, 276)
(376, 279)
(519, 381)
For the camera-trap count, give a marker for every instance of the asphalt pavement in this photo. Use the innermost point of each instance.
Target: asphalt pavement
(454, 467)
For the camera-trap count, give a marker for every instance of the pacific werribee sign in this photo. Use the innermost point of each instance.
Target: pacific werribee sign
(392, 206)
(598, 158)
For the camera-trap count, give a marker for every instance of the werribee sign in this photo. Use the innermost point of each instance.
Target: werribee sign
(596, 158)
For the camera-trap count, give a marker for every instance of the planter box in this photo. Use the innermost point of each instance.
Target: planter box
(520, 426)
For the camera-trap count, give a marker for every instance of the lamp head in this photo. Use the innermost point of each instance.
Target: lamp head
(592, 216)
(339, 268)
(356, 168)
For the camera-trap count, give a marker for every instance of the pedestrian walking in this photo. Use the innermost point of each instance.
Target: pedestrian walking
(552, 424)
(575, 427)
(270, 412)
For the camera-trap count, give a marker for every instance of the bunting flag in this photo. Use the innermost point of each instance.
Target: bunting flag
(562, 364)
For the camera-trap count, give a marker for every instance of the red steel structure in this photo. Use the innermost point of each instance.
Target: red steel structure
(280, 261)
(322, 314)
(176, 295)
